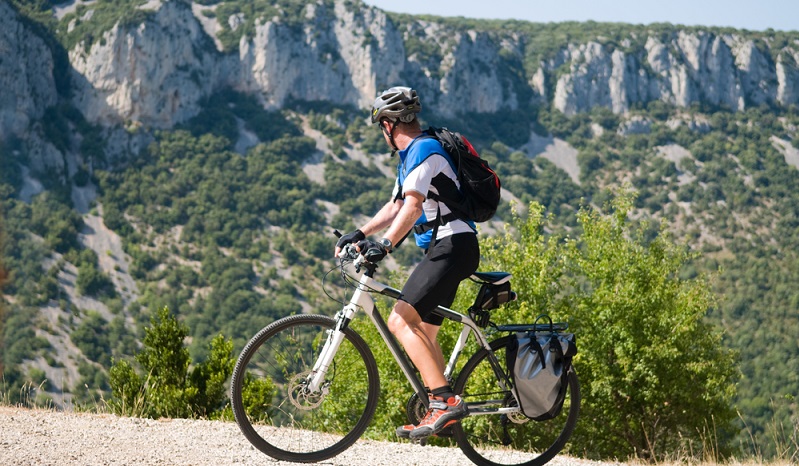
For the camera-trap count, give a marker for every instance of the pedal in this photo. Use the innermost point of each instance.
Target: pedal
(446, 432)
(419, 441)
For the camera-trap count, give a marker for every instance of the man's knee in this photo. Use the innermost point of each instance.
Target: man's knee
(402, 317)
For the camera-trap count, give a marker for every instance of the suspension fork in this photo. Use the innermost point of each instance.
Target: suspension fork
(332, 343)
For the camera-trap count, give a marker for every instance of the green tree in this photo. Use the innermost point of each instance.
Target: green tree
(91, 337)
(654, 375)
(654, 372)
(166, 387)
(209, 378)
(2, 285)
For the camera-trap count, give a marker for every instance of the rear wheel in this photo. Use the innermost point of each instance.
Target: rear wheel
(275, 410)
(509, 439)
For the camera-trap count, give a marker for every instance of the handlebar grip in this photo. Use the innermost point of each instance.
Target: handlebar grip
(349, 251)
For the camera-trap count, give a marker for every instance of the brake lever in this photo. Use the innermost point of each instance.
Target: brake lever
(350, 252)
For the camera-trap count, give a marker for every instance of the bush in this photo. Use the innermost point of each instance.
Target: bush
(166, 387)
(654, 375)
(91, 337)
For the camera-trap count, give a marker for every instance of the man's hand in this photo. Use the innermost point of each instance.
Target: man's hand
(352, 237)
(372, 251)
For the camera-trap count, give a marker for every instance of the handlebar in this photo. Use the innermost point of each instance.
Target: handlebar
(349, 252)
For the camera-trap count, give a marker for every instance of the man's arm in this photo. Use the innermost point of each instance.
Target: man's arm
(381, 220)
(409, 212)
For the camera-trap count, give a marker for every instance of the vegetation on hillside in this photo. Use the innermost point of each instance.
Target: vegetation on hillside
(223, 239)
(211, 232)
(165, 386)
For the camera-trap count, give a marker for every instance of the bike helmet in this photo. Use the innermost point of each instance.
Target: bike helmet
(398, 103)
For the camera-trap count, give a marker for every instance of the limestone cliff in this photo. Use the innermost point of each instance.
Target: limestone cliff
(689, 67)
(157, 72)
(341, 55)
(26, 74)
(344, 52)
(27, 87)
(154, 73)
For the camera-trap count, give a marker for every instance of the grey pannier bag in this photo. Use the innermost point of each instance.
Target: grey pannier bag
(540, 362)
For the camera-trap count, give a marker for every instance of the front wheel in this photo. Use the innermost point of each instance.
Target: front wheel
(275, 410)
(508, 439)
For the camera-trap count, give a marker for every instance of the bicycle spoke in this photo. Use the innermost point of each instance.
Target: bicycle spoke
(287, 421)
(507, 438)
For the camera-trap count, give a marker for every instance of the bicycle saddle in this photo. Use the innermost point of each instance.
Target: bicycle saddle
(494, 278)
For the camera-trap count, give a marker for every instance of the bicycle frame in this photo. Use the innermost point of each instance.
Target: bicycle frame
(361, 299)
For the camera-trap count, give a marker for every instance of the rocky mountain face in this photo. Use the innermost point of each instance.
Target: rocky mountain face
(26, 74)
(157, 73)
(691, 67)
(27, 87)
(154, 73)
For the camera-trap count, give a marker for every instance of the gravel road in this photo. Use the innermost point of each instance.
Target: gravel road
(42, 437)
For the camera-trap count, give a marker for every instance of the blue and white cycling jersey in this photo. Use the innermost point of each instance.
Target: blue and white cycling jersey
(419, 163)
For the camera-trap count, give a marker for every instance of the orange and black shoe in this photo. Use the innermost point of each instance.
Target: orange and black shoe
(442, 414)
(405, 431)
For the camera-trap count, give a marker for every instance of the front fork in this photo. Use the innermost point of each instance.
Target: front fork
(316, 379)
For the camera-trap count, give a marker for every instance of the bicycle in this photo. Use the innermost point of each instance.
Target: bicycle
(305, 387)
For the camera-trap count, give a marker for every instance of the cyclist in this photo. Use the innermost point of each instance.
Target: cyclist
(453, 257)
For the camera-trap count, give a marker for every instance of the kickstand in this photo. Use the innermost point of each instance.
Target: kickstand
(506, 440)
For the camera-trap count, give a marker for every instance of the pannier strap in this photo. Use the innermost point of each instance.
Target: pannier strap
(515, 328)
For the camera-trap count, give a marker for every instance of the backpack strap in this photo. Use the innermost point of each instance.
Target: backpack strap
(423, 228)
(431, 225)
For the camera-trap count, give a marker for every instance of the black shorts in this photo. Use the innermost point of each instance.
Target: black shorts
(435, 280)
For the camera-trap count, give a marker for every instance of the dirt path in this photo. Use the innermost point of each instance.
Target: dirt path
(41, 437)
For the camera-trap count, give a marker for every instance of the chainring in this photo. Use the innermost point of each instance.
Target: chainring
(415, 409)
(516, 417)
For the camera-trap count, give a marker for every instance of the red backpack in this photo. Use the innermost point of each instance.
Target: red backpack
(479, 195)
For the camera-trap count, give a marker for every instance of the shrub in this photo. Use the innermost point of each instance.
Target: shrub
(166, 387)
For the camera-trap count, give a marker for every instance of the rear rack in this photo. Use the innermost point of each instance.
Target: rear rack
(547, 327)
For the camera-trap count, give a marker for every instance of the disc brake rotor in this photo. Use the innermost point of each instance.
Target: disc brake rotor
(301, 397)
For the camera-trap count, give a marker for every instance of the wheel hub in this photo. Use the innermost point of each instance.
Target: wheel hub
(301, 396)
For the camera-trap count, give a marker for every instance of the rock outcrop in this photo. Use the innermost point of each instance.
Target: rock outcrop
(690, 67)
(27, 89)
(341, 55)
(156, 73)
(27, 85)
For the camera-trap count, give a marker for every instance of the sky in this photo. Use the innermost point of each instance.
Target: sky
(755, 15)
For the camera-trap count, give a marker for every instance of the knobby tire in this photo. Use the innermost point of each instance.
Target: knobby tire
(495, 439)
(286, 423)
